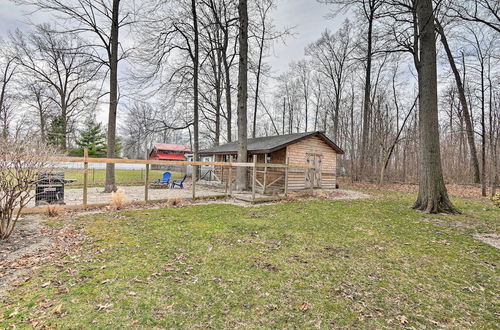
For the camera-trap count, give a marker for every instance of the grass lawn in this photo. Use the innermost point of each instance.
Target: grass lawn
(98, 177)
(359, 264)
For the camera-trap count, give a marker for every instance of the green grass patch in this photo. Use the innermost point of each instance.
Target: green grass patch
(97, 177)
(358, 264)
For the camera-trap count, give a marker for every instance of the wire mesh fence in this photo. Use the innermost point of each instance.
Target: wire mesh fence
(154, 180)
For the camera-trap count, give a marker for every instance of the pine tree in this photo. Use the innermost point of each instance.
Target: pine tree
(56, 135)
(93, 137)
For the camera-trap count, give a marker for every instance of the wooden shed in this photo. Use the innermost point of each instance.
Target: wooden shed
(310, 148)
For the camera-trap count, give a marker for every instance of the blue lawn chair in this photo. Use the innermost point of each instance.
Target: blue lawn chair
(179, 182)
(165, 179)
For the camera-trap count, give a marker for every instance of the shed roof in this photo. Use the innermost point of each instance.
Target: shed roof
(269, 144)
(171, 147)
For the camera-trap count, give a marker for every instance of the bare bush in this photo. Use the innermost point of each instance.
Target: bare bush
(172, 202)
(118, 199)
(54, 211)
(21, 159)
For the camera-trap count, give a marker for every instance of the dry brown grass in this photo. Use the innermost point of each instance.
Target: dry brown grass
(175, 202)
(118, 199)
(54, 211)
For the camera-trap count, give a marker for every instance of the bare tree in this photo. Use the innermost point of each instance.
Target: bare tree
(463, 102)
(369, 11)
(265, 33)
(103, 19)
(432, 194)
(481, 48)
(54, 60)
(480, 11)
(332, 54)
(21, 159)
(6, 113)
(39, 99)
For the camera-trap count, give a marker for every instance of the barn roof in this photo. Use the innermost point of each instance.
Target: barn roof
(269, 144)
(171, 147)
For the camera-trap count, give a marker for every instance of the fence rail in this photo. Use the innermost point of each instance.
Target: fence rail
(171, 162)
(265, 181)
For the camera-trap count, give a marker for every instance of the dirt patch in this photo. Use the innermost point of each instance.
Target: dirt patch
(491, 239)
(136, 194)
(31, 245)
(456, 224)
(295, 196)
(460, 190)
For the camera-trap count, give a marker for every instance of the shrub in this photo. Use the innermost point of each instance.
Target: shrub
(175, 202)
(54, 210)
(118, 199)
(21, 159)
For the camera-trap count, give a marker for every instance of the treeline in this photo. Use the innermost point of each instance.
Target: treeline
(168, 71)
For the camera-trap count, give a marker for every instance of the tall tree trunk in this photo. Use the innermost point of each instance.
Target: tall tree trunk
(110, 184)
(257, 82)
(483, 134)
(366, 102)
(241, 173)
(283, 117)
(229, 110)
(196, 144)
(493, 140)
(463, 102)
(432, 194)
(64, 122)
(218, 96)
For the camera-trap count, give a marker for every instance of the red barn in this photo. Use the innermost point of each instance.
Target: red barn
(166, 151)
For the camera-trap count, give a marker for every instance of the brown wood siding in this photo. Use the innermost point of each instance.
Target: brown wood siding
(297, 155)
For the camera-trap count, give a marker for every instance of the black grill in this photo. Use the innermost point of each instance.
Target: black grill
(50, 188)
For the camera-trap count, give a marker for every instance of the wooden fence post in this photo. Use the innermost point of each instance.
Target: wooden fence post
(146, 181)
(194, 175)
(85, 174)
(286, 177)
(265, 175)
(226, 185)
(230, 176)
(254, 177)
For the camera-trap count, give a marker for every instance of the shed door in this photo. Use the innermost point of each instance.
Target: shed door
(314, 176)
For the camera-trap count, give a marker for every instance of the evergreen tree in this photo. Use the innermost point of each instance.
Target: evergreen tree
(93, 137)
(57, 132)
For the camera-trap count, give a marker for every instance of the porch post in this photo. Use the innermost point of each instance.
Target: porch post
(286, 177)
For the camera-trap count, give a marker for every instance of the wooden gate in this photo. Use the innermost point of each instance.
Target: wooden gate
(313, 177)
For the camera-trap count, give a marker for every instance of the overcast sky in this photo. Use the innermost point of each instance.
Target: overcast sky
(307, 16)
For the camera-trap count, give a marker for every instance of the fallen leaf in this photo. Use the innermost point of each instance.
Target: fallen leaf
(132, 293)
(106, 281)
(14, 313)
(57, 309)
(304, 307)
(104, 307)
(46, 284)
(63, 291)
(403, 319)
